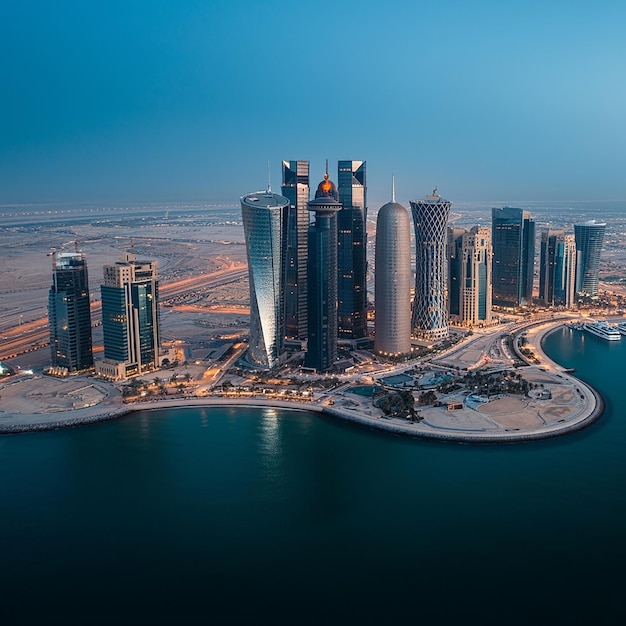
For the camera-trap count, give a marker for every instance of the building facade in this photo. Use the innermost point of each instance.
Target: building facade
(352, 250)
(393, 281)
(476, 283)
(322, 279)
(513, 241)
(430, 310)
(69, 313)
(589, 237)
(557, 268)
(295, 188)
(264, 216)
(454, 249)
(130, 318)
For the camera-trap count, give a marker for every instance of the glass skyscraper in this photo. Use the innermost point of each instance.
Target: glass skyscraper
(589, 237)
(430, 311)
(69, 313)
(322, 279)
(130, 318)
(264, 217)
(557, 268)
(454, 256)
(513, 241)
(352, 250)
(295, 188)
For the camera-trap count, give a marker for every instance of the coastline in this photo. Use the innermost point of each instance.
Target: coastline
(593, 409)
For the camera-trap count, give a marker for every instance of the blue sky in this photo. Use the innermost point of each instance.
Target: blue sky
(167, 101)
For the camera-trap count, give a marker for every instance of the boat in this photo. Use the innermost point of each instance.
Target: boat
(621, 327)
(604, 330)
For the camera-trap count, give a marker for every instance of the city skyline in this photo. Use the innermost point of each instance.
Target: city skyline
(142, 105)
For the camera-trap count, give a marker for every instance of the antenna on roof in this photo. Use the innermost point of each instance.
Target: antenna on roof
(76, 243)
(393, 188)
(269, 178)
(326, 167)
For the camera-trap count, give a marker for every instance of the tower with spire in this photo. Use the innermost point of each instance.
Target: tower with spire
(393, 280)
(322, 278)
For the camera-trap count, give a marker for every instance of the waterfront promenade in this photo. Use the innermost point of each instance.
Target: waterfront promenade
(564, 405)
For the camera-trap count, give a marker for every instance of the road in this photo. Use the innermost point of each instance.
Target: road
(35, 334)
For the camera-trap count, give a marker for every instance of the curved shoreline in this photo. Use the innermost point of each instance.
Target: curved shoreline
(413, 430)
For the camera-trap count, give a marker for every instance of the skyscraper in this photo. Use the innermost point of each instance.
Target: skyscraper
(352, 250)
(296, 189)
(322, 279)
(547, 265)
(565, 272)
(476, 284)
(264, 217)
(513, 241)
(557, 268)
(130, 318)
(589, 237)
(393, 281)
(430, 312)
(69, 313)
(454, 249)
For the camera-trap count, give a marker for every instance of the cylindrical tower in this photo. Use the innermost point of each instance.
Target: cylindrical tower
(589, 237)
(264, 217)
(322, 279)
(393, 281)
(430, 315)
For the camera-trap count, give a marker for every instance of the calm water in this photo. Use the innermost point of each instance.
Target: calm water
(265, 516)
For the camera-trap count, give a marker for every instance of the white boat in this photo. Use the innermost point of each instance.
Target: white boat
(604, 330)
(621, 327)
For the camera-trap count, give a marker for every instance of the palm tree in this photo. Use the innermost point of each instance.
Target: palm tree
(187, 376)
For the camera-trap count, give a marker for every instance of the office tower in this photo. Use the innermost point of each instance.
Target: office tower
(296, 189)
(547, 265)
(352, 250)
(69, 313)
(589, 237)
(264, 217)
(322, 279)
(476, 267)
(557, 268)
(454, 248)
(393, 281)
(513, 241)
(565, 272)
(430, 310)
(130, 318)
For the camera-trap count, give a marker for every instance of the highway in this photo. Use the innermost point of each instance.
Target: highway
(35, 334)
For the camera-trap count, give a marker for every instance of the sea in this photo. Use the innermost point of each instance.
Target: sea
(267, 516)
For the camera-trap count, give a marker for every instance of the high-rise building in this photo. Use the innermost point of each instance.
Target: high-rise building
(264, 217)
(589, 237)
(130, 318)
(393, 281)
(476, 285)
(454, 255)
(352, 250)
(557, 268)
(296, 189)
(430, 310)
(69, 313)
(565, 272)
(547, 265)
(322, 279)
(513, 241)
